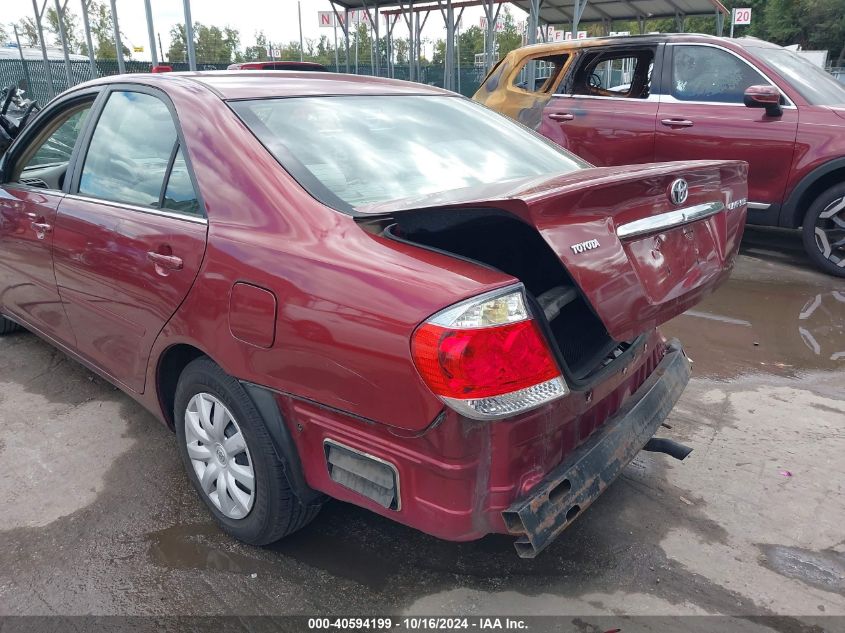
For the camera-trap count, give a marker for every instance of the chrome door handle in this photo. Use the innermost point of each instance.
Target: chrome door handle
(561, 116)
(167, 262)
(677, 122)
(41, 229)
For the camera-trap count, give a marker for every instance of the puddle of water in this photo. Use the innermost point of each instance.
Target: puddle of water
(825, 569)
(200, 547)
(775, 326)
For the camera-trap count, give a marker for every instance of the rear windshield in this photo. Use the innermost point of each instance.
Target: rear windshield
(815, 85)
(353, 151)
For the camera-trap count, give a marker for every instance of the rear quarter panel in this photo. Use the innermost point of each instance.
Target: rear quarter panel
(348, 301)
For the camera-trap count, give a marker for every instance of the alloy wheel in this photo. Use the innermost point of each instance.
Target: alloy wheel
(830, 232)
(219, 455)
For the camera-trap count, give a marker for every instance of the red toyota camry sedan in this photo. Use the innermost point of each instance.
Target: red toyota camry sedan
(372, 290)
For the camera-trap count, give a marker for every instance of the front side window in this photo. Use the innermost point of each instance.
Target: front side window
(354, 151)
(130, 150)
(704, 73)
(816, 85)
(46, 160)
(624, 74)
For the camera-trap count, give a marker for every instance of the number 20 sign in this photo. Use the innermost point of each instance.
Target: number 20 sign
(742, 16)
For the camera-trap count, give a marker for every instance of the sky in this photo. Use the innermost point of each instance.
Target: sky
(278, 19)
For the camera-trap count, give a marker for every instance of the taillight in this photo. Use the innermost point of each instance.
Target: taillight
(486, 357)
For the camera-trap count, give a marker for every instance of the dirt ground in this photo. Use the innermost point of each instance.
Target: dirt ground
(98, 517)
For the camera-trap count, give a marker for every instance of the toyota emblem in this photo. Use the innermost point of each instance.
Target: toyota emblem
(679, 191)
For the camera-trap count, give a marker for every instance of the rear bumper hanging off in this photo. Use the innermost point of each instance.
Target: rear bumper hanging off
(540, 516)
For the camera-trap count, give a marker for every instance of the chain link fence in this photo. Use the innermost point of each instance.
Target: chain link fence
(32, 76)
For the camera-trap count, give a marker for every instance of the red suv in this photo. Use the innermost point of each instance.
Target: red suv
(389, 295)
(616, 101)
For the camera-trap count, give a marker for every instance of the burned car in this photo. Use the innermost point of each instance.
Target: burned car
(364, 289)
(682, 96)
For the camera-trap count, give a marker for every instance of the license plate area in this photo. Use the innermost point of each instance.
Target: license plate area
(673, 263)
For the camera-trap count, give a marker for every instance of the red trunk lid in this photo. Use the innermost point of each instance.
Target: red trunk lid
(639, 256)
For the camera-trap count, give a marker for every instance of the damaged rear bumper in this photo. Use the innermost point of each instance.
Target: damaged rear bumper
(551, 506)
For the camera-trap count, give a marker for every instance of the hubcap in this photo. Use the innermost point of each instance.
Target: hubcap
(830, 232)
(219, 455)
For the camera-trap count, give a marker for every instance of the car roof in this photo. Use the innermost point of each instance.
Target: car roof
(234, 85)
(292, 65)
(653, 38)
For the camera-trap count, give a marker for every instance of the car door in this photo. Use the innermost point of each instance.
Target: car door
(702, 116)
(34, 173)
(604, 110)
(131, 234)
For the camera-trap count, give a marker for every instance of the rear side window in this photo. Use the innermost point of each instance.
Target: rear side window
(544, 70)
(704, 73)
(179, 195)
(130, 150)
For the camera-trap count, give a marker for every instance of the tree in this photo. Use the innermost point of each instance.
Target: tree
(402, 47)
(102, 31)
(178, 51)
(470, 43)
(28, 32)
(71, 24)
(258, 51)
(211, 43)
(510, 37)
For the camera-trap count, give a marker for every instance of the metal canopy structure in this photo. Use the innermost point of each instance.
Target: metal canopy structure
(571, 13)
(563, 11)
(414, 14)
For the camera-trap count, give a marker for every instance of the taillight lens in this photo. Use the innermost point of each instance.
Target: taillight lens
(487, 358)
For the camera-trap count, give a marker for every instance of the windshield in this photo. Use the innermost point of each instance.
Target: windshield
(355, 151)
(815, 85)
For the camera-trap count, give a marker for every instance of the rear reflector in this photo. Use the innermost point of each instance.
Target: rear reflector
(367, 475)
(486, 357)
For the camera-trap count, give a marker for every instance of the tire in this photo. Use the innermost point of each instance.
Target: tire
(824, 227)
(7, 326)
(272, 510)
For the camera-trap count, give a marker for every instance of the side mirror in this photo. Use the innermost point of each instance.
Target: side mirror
(767, 97)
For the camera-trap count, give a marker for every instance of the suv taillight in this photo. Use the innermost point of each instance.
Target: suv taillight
(486, 357)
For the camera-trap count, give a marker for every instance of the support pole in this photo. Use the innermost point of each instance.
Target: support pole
(409, 22)
(577, 12)
(377, 43)
(720, 23)
(489, 42)
(189, 35)
(87, 26)
(60, 14)
(346, 32)
(23, 61)
(118, 45)
(533, 24)
(151, 32)
(344, 26)
(732, 22)
(336, 58)
(38, 17)
(301, 44)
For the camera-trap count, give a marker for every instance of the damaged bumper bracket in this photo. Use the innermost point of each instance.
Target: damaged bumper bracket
(569, 489)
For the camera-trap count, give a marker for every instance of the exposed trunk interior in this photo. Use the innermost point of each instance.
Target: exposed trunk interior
(498, 239)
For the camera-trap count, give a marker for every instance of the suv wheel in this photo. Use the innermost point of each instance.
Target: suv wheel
(7, 326)
(824, 231)
(230, 458)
